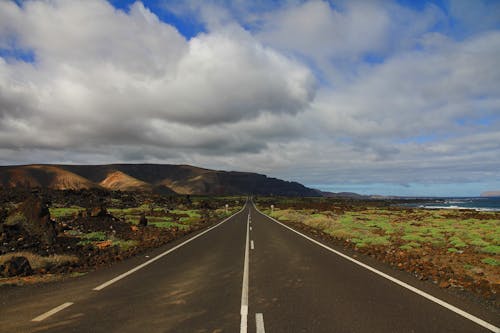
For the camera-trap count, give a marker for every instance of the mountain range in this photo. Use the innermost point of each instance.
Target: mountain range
(162, 178)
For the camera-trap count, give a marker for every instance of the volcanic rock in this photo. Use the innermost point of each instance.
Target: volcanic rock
(16, 266)
(31, 220)
(99, 211)
(143, 220)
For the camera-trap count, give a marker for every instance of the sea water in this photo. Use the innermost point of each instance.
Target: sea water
(476, 203)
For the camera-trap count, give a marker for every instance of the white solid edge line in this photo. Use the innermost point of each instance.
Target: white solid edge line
(244, 288)
(52, 312)
(259, 323)
(252, 246)
(450, 307)
(133, 270)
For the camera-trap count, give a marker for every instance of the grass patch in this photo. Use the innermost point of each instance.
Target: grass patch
(92, 237)
(491, 261)
(415, 238)
(169, 225)
(491, 249)
(124, 244)
(457, 242)
(410, 246)
(61, 212)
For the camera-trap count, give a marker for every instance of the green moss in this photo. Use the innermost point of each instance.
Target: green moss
(414, 238)
(457, 242)
(124, 244)
(380, 240)
(492, 249)
(491, 261)
(452, 249)
(89, 238)
(60, 212)
(479, 242)
(169, 225)
(414, 244)
(190, 213)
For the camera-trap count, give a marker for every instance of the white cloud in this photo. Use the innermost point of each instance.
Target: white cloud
(102, 76)
(417, 93)
(337, 38)
(315, 28)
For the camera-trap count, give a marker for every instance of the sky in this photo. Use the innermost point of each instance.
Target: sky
(374, 97)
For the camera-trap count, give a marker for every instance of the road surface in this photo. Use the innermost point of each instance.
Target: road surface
(247, 274)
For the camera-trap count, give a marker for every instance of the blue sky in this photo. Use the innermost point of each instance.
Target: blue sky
(375, 97)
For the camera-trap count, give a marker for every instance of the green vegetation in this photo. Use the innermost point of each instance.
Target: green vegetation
(96, 236)
(61, 212)
(159, 217)
(408, 230)
(123, 244)
(93, 238)
(491, 261)
(492, 249)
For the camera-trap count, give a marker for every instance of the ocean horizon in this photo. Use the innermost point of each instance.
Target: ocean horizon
(475, 203)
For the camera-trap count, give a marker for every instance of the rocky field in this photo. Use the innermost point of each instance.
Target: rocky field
(455, 249)
(47, 235)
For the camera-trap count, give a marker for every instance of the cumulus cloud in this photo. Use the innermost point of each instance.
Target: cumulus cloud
(337, 38)
(418, 93)
(103, 76)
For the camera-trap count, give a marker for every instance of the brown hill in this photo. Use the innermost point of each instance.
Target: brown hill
(118, 181)
(29, 176)
(164, 178)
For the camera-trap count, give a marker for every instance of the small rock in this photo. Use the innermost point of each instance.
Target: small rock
(143, 221)
(99, 211)
(104, 244)
(444, 284)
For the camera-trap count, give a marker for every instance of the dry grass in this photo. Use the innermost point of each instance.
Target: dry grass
(40, 262)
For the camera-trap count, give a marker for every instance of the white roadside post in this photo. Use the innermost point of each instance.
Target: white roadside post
(227, 206)
(272, 208)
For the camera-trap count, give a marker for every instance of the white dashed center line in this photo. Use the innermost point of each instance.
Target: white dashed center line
(52, 312)
(259, 323)
(244, 289)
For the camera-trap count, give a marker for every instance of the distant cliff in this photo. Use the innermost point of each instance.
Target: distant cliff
(164, 178)
(491, 194)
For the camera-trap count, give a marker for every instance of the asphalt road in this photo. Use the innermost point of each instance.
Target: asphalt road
(246, 274)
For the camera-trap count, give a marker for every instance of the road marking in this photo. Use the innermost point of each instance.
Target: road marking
(259, 323)
(133, 270)
(52, 312)
(450, 307)
(244, 288)
(252, 245)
